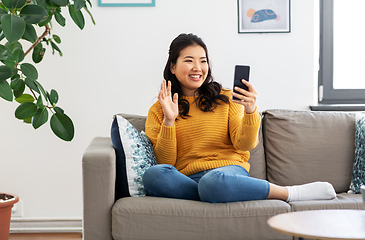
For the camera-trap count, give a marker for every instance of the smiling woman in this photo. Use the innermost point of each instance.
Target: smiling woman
(201, 138)
(191, 68)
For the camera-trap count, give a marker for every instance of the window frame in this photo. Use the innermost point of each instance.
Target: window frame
(326, 93)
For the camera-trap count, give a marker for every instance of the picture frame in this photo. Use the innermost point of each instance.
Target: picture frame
(126, 3)
(264, 16)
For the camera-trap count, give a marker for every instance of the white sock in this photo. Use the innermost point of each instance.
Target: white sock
(311, 191)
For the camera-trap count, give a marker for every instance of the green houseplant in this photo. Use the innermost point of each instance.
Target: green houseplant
(19, 80)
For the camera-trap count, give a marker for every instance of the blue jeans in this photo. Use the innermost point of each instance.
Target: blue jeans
(225, 184)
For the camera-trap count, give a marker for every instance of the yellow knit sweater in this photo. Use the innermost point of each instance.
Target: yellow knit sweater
(205, 140)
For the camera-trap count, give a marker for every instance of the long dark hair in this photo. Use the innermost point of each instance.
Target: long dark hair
(208, 93)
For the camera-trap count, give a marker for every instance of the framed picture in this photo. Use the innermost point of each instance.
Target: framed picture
(263, 16)
(126, 3)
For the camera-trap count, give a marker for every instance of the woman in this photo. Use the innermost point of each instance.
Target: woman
(201, 137)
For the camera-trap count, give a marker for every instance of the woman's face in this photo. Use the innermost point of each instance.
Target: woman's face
(191, 69)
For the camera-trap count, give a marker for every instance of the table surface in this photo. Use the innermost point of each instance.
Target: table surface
(321, 224)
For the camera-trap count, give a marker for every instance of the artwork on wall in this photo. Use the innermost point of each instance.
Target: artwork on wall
(126, 3)
(264, 16)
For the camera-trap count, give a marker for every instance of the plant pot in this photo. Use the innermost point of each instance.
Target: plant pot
(7, 201)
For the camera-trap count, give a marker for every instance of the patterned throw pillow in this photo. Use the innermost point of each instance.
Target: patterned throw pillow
(358, 171)
(134, 155)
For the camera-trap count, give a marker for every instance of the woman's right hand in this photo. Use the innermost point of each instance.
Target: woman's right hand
(169, 105)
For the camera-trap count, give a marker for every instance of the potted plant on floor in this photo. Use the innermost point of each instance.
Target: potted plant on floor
(19, 80)
(7, 202)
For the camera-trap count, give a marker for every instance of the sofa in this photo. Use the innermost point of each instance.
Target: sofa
(295, 147)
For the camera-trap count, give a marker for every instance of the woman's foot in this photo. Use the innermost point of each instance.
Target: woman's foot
(311, 191)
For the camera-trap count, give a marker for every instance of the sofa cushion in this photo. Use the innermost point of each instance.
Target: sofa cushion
(358, 172)
(183, 219)
(342, 201)
(134, 155)
(305, 146)
(257, 159)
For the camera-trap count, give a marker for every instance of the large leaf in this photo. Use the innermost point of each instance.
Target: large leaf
(5, 91)
(40, 117)
(77, 16)
(13, 27)
(60, 19)
(25, 110)
(14, 3)
(60, 3)
(62, 126)
(30, 34)
(5, 72)
(38, 53)
(25, 98)
(33, 14)
(29, 70)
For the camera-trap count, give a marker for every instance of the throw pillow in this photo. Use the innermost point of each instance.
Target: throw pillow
(134, 155)
(358, 172)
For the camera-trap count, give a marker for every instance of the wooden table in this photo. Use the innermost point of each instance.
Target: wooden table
(321, 224)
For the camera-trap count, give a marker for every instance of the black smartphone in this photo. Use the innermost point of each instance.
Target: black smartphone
(241, 72)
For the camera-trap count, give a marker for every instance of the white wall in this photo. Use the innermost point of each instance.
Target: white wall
(116, 66)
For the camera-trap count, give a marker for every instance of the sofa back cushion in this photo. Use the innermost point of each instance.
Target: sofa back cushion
(257, 159)
(136, 120)
(305, 146)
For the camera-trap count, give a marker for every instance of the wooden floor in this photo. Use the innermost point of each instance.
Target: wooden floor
(45, 236)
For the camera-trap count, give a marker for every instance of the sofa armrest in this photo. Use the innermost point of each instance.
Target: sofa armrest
(98, 168)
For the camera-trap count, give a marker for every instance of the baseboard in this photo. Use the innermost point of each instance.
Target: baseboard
(28, 225)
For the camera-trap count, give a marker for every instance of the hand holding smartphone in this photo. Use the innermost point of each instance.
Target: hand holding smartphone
(241, 72)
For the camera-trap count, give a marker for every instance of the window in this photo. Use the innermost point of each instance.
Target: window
(342, 52)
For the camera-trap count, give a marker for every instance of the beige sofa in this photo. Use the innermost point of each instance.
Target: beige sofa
(295, 147)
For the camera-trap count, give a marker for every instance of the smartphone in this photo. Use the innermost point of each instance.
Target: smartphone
(241, 72)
